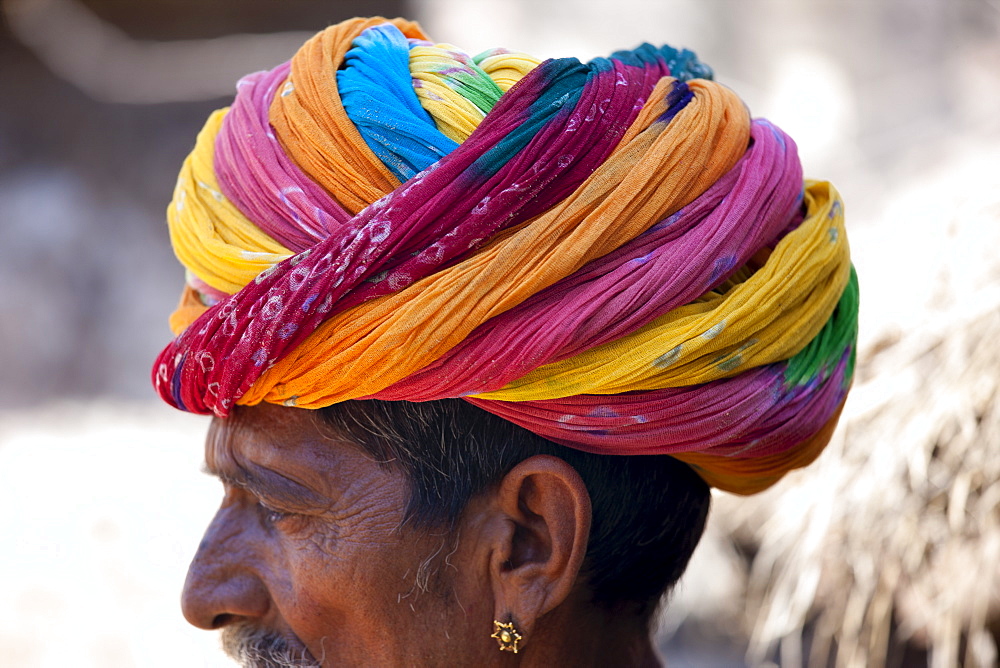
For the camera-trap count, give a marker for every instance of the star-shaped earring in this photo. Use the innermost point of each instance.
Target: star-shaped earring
(506, 636)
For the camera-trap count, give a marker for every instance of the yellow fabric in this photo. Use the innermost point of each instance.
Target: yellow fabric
(768, 318)
(454, 115)
(656, 169)
(211, 237)
(506, 68)
(219, 245)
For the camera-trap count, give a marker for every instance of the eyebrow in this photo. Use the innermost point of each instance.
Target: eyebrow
(270, 486)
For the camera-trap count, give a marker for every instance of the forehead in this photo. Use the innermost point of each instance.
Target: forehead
(263, 430)
(292, 442)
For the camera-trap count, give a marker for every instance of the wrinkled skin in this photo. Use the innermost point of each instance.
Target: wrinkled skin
(309, 551)
(313, 549)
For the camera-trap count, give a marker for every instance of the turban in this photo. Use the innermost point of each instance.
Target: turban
(611, 254)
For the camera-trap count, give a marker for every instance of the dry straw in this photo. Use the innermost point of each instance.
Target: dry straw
(889, 546)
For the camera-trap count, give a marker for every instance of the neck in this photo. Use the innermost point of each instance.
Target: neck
(585, 635)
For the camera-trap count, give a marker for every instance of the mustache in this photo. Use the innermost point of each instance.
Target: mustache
(257, 648)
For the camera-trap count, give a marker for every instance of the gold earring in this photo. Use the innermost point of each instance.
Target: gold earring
(506, 636)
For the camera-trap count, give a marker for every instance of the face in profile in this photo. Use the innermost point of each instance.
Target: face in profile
(308, 560)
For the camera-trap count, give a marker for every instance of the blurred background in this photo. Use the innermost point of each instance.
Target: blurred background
(885, 553)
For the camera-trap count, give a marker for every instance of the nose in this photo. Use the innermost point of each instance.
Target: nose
(223, 584)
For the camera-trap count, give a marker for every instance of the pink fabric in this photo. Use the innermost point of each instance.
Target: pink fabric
(671, 264)
(525, 157)
(256, 175)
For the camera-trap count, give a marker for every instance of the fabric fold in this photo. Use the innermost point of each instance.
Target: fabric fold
(611, 254)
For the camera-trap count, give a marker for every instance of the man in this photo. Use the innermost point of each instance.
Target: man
(435, 300)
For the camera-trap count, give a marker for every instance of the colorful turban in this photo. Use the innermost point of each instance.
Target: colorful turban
(611, 254)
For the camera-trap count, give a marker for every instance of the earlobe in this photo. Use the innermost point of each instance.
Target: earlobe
(545, 508)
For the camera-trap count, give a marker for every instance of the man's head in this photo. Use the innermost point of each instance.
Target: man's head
(535, 309)
(392, 534)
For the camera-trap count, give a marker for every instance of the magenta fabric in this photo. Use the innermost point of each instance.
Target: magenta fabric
(671, 264)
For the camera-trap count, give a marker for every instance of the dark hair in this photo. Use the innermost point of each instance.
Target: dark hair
(648, 511)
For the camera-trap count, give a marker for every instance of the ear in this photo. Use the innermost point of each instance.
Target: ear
(543, 512)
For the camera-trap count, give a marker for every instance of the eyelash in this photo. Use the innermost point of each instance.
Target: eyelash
(271, 515)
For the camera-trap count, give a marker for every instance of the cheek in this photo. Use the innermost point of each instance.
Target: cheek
(345, 576)
(385, 599)
(316, 540)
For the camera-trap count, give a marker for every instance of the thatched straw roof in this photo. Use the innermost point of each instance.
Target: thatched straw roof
(889, 545)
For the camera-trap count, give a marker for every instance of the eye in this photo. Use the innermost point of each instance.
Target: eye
(272, 516)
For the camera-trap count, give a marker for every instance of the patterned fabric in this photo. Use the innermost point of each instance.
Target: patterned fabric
(611, 254)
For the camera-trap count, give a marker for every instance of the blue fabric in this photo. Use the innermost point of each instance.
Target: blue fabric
(377, 93)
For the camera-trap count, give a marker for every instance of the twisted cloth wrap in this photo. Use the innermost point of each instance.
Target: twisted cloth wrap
(612, 255)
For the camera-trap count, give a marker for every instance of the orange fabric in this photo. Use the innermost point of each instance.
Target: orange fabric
(669, 163)
(188, 309)
(755, 474)
(313, 128)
